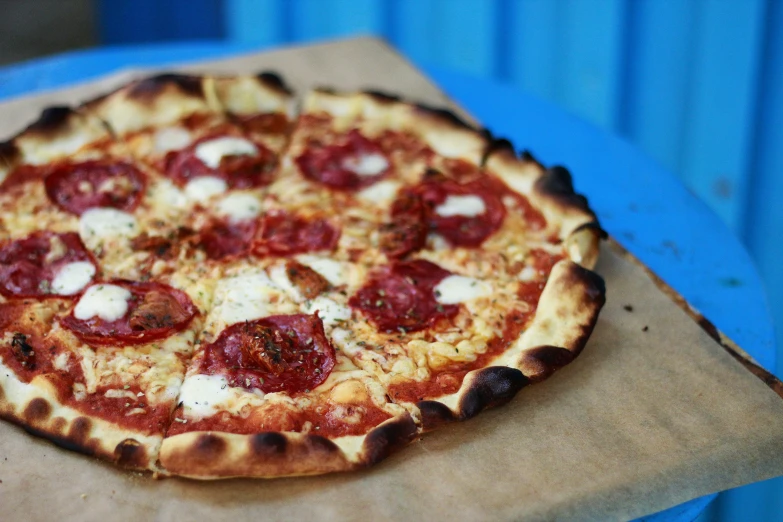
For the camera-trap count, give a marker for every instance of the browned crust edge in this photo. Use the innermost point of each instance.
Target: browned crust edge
(719, 337)
(217, 455)
(496, 385)
(41, 414)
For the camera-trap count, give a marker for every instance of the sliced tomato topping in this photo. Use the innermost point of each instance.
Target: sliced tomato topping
(289, 353)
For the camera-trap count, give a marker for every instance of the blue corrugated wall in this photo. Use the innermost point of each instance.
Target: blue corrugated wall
(697, 84)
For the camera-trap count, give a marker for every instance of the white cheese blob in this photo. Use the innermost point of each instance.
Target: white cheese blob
(107, 223)
(366, 164)
(73, 277)
(166, 195)
(246, 297)
(456, 289)
(171, 138)
(109, 302)
(336, 272)
(202, 394)
(202, 188)
(330, 312)
(213, 151)
(466, 206)
(380, 192)
(528, 273)
(239, 207)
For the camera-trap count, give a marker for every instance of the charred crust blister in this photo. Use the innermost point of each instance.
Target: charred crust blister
(268, 444)
(387, 438)
(130, 453)
(446, 115)
(9, 153)
(274, 81)
(149, 87)
(595, 227)
(382, 96)
(490, 387)
(542, 361)
(52, 120)
(37, 410)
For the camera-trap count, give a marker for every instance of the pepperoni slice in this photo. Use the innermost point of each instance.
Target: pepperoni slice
(240, 171)
(289, 353)
(222, 239)
(355, 163)
(471, 228)
(30, 267)
(148, 311)
(284, 234)
(401, 297)
(77, 187)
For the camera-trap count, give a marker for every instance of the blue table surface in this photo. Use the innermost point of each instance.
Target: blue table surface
(645, 207)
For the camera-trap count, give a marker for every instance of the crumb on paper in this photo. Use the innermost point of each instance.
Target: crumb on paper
(84, 496)
(645, 328)
(628, 308)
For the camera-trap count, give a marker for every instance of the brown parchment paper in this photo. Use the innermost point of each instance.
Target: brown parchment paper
(653, 413)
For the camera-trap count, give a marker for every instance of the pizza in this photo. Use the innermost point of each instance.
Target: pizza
(209, 277)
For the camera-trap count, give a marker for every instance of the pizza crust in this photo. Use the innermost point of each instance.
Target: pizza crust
(216, 455)
(35, 406)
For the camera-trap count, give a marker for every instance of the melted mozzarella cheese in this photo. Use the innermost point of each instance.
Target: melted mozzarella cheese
(246, 297)
(213, 151)
(202, 188)
(166, 195)
(72, 277)
(466, 206)
(336, 272)
(380, 192)
(171, 138)
(239, 207)
(456, 289)
(201, 394)
(366, 164)
(107, 223)
(109, 302)
(330, 312)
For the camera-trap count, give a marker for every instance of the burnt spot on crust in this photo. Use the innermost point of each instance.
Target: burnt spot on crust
(52, 120)
(268, 444)
(9, 153)
(37, 410)
(148, 88)
(446, 115)
(593, 226)
(208, 447)
(556, 183)
(80, 430)
(323, 89)
(539, 363)
(388, 438)
(490, 387)
(434, 414)
(526, 155)
(131, 454)
(274, 81)
(497, 146)
(382, 96)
